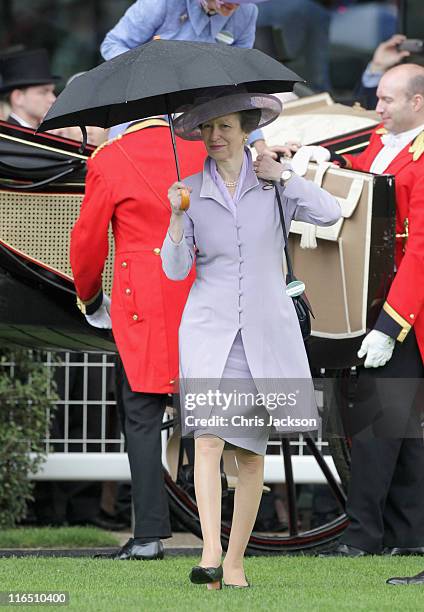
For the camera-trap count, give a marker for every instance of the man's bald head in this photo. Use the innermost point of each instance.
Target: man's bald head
(409, 78)
(401, 98)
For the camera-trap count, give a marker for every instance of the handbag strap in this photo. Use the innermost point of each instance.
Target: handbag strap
(290, 276)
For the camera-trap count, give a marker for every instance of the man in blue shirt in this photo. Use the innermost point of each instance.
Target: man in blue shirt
(208, 21)
(213, 21)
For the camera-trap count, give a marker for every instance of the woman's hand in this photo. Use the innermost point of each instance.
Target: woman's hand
(267, 168)
(178, 194)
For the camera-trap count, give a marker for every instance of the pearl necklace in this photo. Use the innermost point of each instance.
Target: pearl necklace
(231, 183)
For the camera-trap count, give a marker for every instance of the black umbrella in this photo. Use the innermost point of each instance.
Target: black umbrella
(158, 78)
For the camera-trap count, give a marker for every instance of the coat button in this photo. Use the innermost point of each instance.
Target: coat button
(156, 251)
(135, 317)
(412, 316)
(124, 264)
(171, 382)
(128, 291)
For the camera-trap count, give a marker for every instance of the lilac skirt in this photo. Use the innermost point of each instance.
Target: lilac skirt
(245, 421)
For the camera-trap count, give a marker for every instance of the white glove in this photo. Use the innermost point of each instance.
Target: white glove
(101, 318)
(301, 159)
(378, 348)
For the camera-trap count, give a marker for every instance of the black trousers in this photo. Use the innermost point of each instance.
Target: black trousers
(386, 493)
(141, 417)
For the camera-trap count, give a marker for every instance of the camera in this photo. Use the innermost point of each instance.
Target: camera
(413, 45)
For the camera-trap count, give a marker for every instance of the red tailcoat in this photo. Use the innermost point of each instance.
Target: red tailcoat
(127, 184)
(404, 307)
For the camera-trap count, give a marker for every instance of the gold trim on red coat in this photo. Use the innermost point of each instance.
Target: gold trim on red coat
(82, 304)
(417, 147)
(399, 320)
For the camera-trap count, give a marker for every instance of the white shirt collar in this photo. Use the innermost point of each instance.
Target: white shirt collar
(401, 140)
(21, 121)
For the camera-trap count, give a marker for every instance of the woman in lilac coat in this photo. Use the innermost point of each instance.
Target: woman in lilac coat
(240, 341)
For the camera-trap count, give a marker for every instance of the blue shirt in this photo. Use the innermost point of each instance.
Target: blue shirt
(371, 79)
(180, 20)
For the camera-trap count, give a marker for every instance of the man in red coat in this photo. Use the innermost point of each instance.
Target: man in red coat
(126, 185)
(386, 494)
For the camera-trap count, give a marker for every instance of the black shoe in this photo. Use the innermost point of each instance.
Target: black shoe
(131, 551)
(344, 550)
(206, 575)
(418, 579)
(404, 551)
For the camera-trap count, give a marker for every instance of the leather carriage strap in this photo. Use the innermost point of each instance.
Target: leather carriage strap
(290, 276)
(75, 165)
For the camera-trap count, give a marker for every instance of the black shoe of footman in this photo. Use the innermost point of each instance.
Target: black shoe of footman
(418, 579)
(137, 552)
(344, 550)
(403, 551)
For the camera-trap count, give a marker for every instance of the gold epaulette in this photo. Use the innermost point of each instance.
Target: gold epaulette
(134, 127)
(146, 123)
(104, 144)
(381, 131)
(417, 147)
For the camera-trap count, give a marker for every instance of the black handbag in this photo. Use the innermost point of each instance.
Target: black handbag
(300, 301)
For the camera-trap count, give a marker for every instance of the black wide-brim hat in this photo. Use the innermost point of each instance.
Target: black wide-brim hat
(24, 69)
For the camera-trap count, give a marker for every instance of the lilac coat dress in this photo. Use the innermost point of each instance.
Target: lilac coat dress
(239, 290)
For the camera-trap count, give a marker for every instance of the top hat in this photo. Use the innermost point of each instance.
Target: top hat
(25, 68)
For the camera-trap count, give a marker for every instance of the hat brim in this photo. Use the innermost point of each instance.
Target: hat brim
(21, 84)
(187, 125)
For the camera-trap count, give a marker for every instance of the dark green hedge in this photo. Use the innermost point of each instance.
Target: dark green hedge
(25, 397)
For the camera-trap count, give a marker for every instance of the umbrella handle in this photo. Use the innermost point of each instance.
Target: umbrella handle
(185, 199)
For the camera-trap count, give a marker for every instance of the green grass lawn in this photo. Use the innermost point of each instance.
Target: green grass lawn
(278, 583)
(56, 537)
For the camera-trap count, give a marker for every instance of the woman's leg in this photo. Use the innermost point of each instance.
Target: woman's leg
(207, 482)
(246, 503)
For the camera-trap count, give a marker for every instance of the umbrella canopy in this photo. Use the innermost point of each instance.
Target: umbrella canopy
(158, 78)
